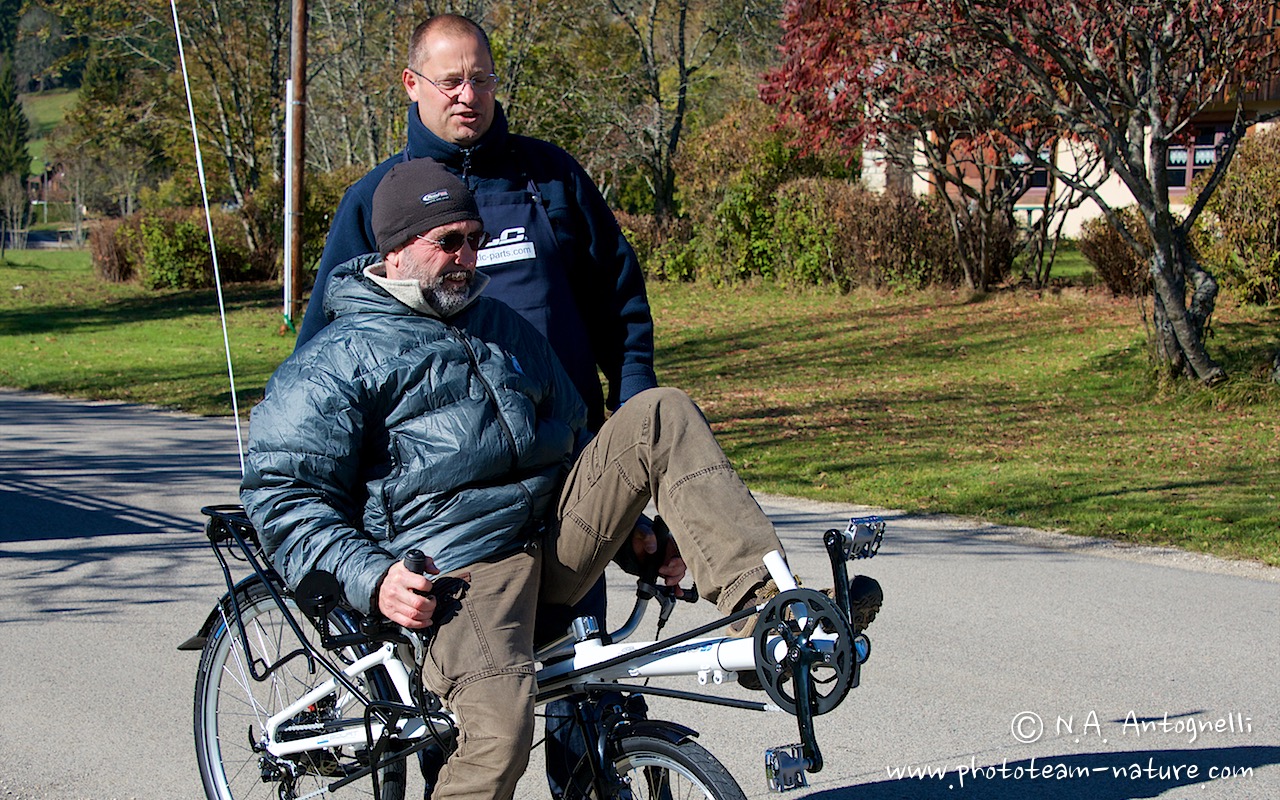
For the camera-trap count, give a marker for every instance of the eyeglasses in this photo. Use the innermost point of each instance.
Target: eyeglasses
(452, 241)
(452, 87)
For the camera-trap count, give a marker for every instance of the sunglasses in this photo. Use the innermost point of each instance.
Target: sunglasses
(452, 241)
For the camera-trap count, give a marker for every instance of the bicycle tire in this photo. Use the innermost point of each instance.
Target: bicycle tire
(231, 707)
(658, 769)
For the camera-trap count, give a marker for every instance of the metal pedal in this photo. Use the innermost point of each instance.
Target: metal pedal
(784, 768)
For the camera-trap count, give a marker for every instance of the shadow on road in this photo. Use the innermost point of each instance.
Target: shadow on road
(80, 469)
(100, 505)
(1098, 776)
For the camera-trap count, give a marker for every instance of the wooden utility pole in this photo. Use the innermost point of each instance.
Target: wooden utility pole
(293, 203)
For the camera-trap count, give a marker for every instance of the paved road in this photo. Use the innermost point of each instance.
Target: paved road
(1152, 672)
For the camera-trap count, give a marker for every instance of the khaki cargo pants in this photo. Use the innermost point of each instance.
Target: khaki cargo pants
(657, 446)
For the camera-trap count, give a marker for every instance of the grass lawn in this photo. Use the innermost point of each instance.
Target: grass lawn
(44, 111)
(1035, 410)
(1021, 410)
(64, 331)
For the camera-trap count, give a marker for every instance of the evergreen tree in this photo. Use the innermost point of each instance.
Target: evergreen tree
(10, 14)
(14, 131)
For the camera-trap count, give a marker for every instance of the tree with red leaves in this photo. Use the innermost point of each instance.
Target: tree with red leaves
(1121, 81)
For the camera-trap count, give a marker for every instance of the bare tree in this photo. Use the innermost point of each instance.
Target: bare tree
(665, 50)
(13, 213)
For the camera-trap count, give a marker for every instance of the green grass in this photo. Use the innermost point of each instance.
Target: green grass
(1071, 265)
(1021, 411)
(64, 331)
(1035, 411)
(44, 112)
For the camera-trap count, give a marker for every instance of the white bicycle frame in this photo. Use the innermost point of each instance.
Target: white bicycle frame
(409, 729)
(578, 663)
(706, 659)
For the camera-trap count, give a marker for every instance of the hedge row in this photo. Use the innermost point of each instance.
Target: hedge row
(809, 231)
(168, 248)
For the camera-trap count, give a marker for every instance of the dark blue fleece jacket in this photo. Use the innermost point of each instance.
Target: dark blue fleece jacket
(602, 269)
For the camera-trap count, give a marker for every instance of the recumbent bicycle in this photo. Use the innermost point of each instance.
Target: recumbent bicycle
(298, 695)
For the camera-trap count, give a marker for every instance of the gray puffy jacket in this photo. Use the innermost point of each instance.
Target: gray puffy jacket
(392, 430)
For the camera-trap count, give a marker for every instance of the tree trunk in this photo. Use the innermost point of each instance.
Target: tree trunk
(1179, 328)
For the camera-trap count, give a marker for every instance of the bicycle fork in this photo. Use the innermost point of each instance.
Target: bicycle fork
(604, 725)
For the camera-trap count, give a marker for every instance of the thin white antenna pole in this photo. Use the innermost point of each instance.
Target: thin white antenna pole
(289, 210)
(213, 247)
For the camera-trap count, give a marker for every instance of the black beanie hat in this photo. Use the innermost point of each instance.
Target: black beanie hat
(416, 196)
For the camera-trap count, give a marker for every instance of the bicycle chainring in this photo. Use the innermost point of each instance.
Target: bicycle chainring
(831, 674)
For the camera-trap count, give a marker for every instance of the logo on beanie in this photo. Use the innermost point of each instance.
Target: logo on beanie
(434, 197)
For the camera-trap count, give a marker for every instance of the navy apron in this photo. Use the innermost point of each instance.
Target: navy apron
(527, 272)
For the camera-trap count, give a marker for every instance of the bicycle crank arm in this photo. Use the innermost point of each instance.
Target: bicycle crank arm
(787, 767)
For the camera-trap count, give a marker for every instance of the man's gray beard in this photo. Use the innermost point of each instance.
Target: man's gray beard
(447, 300)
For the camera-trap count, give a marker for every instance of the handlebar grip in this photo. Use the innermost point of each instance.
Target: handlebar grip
(415, 561)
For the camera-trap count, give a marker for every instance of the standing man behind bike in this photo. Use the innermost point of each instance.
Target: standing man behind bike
(558, 256)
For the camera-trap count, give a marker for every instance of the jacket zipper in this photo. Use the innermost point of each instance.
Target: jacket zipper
(466, 167)
(493, 395)
(392, 533)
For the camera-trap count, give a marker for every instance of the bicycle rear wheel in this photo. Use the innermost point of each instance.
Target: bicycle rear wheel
(231, 710)
(656, 769)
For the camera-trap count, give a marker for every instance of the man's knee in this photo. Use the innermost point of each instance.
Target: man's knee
(664, 395)
(669, 403)
(496, 727)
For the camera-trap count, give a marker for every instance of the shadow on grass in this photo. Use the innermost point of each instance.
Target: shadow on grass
(54, 318)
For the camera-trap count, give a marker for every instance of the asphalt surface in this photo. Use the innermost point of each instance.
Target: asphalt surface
(1005, 664)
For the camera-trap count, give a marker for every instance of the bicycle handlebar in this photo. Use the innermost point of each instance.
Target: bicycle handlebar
(416, 562)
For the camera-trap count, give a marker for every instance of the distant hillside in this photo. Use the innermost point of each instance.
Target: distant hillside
(44, 111)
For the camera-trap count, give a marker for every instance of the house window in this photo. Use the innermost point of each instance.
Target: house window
(1185, 163)
(1039, 177)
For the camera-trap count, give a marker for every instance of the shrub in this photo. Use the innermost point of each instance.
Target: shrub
(663, 249)
(169, 249)
(111, 261)
(905, 242)
(814, 231)
(839, 233)
(321, 196)
(729, 173)
(1238, 237)
(1117, 264)
(739, 237)
(175, 253)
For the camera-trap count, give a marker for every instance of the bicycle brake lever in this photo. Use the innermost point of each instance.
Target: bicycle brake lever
(667, 597)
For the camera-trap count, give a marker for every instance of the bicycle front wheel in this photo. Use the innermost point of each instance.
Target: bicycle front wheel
(656, 769)
(232, 708)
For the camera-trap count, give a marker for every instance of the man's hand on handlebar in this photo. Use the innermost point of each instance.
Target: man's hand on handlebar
(645, 543)
(403, 596)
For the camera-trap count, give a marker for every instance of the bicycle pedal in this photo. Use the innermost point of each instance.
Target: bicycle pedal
(784, 768)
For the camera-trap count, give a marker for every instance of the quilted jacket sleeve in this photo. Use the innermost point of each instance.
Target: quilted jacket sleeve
(301, 487)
